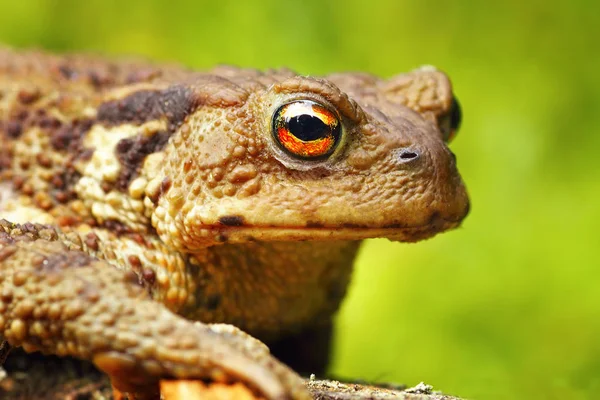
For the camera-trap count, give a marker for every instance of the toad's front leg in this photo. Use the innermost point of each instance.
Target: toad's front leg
(65, 302)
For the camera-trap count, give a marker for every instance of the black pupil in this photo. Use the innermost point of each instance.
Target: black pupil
(308, 127)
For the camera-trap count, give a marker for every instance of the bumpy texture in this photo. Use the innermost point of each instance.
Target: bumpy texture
(137, 191)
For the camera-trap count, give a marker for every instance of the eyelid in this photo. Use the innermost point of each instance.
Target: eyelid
(322, 91)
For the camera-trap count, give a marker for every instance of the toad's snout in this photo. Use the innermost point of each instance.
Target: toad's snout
(429, 189)
(450, 200)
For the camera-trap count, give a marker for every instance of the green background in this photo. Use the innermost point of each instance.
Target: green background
(506, 307)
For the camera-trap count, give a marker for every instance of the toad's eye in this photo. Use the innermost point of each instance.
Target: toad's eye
(306, 129)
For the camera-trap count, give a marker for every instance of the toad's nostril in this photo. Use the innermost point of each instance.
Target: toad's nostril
(407, 155)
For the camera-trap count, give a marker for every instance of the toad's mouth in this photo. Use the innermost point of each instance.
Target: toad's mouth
(233, 230)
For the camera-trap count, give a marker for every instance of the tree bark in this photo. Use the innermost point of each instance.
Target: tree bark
(320, 390)
(34, 376)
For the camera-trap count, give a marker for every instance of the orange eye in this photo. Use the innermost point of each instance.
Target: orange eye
(306, 129)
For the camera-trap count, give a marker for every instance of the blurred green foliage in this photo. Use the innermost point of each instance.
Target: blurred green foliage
(506, 307)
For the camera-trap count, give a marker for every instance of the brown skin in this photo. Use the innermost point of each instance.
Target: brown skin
(174, 177)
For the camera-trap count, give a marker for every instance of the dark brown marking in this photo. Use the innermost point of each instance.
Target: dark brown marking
(6, 297)
(68, 220)
(14, 129)
(92, 241)
(107, 186)
(20, 115)
(134, 261)
(117, 227)
(149, 276)
(165, 185)
(132, 151)
(44, 160)
(138, 238)
(63, 137)
(68, 259)
(57, 181)
(18, 181)
(174, 103)
(24, 164)
(6, 155)
(314, 224)
(63, 182)
(61, 197)
(100, 79)
(43, 201)
(350, 225)
(67, 72)
(69, 137)
(41, 119)
(29, 96)
(231, 220)
(27, 189)
(136, 266)
(155, 196)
